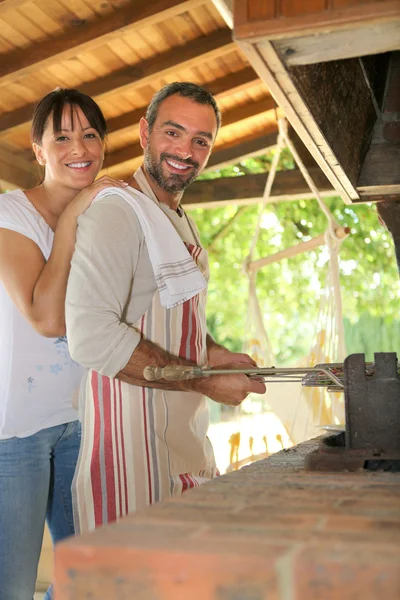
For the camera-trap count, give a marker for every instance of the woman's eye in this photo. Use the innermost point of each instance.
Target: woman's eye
(61, 138)
(91, 136)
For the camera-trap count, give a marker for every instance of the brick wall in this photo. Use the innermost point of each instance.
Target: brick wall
(268, 532)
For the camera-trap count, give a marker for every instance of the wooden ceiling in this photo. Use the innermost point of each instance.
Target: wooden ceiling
(121, 52)
(307, 54)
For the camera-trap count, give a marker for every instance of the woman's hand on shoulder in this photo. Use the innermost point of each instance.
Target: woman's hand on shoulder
(83, 200)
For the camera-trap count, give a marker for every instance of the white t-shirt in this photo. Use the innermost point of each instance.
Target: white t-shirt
(38, 378)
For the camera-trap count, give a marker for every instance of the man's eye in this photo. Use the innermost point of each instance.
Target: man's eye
(201, 143)
(171, 133)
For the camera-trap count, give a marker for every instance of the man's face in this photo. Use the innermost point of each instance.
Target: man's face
(179, 145)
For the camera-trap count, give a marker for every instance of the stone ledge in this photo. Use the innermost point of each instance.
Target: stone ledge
(269, 531)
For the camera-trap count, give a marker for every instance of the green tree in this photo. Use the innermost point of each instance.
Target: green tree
(289, 290)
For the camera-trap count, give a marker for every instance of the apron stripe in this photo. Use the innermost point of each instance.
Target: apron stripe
(95, 473)
(114, 415)
(195, 320)
(153, 448)
(146, 445)
(199, 340)
(184, 481)
(108, 455)
(185, 328)
(121, 426)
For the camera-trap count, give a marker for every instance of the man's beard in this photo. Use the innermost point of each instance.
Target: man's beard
(173, 182)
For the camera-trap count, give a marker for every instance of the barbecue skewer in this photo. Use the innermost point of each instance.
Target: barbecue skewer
(182, 373)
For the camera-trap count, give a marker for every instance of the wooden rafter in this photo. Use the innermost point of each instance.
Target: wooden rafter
(248, 189)
(16, 171)
(6, 5)
(234, 154)
(135, 15)
(197, 51)
(230, 84)
(225, 8)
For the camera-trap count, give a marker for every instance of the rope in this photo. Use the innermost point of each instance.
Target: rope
(283, 140)
(267, 193)
(331, 305)
(332, 224)
(331, 238)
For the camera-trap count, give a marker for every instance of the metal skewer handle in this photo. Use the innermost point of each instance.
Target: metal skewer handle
(172, 373)
(182, 373)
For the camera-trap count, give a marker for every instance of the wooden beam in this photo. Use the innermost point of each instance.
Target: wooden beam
(276, 20)
(234, 115)
(16, 172)
(300, 248)
(225, 9)
(133, 77)
(6, 5)
(230, 84)
(88, 36)
(282, 86)
(238, 152)
(336, 45)
(248, 189)
(251, 109)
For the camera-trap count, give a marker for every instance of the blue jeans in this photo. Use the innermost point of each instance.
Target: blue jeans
(35, 485)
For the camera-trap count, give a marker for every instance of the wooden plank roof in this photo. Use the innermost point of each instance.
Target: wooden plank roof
(121, 52)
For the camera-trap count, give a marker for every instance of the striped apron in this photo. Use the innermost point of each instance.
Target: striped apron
(142, 445)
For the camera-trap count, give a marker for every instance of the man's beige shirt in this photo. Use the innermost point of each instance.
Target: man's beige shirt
(111, 283)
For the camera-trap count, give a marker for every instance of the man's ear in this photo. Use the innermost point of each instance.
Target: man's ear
(143, 132)
(38, 150)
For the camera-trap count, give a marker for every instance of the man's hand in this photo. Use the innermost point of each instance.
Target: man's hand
(219, 355)
(229, 389)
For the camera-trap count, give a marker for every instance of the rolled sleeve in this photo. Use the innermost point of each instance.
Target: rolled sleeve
(99, 287)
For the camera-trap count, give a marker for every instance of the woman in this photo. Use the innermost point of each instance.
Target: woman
(39, 431)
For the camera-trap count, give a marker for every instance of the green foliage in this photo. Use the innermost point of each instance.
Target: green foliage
(289, 290)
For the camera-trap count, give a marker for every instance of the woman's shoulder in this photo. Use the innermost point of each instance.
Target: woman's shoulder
(13, 203)
(15, 207)
(18, 214)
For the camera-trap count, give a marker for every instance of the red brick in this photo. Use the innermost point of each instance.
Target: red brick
(224, 573)
(359, 523)
(347, 573)
(271, 530)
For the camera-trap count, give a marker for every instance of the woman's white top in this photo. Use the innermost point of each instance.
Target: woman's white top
(38, 378)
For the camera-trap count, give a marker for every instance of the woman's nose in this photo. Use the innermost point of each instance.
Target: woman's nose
(78, 147)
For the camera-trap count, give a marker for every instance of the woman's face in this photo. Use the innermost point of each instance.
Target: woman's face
(73, 156)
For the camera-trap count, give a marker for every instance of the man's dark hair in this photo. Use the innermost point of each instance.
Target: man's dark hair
(186, 90)
(53, 106)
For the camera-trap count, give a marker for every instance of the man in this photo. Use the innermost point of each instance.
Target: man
(143, 442)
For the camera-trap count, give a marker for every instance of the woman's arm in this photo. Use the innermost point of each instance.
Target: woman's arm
(38, 287)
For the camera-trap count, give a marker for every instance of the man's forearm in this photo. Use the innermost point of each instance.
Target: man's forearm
(228, 389)
(148, 354)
